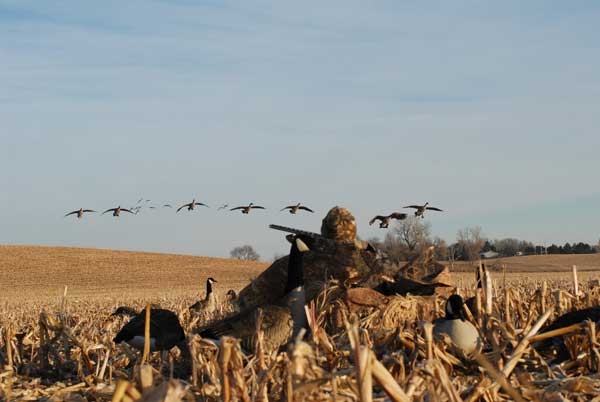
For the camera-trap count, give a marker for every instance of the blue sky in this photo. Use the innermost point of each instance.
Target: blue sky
(487, 110)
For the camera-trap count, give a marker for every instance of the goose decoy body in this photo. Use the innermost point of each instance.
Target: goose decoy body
(117, 211)
(420, 209)
(209, 303)
(384, 221)
(231, 295)
(124, 310)
(246, 208)
(191, 205)
(165, 330)
(295, 208)
(282, 320)
(79, 212)
(462, 333)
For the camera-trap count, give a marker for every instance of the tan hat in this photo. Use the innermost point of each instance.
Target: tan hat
(339, 225)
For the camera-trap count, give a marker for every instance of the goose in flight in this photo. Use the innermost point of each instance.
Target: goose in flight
(384, 221)
(117, 211)
(167, 206)
(79, 212)
(246, 208)
(191, 205)
(294, 208)
(420, 209)
(224, 206)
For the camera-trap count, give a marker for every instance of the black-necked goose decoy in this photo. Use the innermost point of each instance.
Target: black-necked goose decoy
(281, 321)
(462, 333)
(79, 212)
(191, 205)
(420, 209)
(209, 303)
(246, 208)
(117, 211)
(165, 330)
(384, 221)
(295, 208)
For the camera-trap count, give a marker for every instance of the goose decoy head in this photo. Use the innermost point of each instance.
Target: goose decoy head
(231, 295)
(211, 280)
(454, 308)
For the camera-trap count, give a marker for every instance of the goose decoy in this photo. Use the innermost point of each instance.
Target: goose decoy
(117, 211)
(231, 296)
(79, 212)
(384, 221)
(191, 205)
(246, 208)
(282, 320)
(224, 206)
(165, 330)
(123, 311)
(462, 333)
(208, 304)
(295, 208)
(420, 209)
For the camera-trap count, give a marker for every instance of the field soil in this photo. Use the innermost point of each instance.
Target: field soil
(41, 273)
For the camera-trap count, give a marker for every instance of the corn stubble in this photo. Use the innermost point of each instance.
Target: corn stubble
(64, 351)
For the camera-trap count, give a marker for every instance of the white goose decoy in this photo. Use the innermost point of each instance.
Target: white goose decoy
(462, 333)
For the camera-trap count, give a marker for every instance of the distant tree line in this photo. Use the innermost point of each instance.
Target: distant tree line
(410, 237)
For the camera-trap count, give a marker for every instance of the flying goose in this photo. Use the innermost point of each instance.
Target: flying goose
(282, 320)
(224, 206)
(246, 208)
(294, 208)
(167, 206)
(165, 330)
(191, 205)
(384, 221)
(208, 304)
(420, 209)
(117, 211)
(79, 212)
(462, 333)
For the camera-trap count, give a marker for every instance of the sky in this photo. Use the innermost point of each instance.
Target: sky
(488, 110)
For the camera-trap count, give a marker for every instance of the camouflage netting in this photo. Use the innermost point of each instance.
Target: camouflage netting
(348, 260)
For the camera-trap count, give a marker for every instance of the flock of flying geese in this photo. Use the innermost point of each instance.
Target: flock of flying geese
(384, 220)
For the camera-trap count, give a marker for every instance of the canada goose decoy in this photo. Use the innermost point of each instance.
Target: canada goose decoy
(165, 330)
(231, 296)
(124, 310)
(282, 320)
(79, 212)
(117, 211)
(462, 333)
(384, 221)
(208, 304)
(191, 205)
(295, 208)
(224, 206)
(246, 208)
(420, 209)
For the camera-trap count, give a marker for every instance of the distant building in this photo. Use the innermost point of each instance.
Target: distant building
(488, 254)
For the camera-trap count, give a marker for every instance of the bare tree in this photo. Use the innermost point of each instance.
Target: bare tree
(470, 241)
(413, 234)
(441, 249)
(245, 253)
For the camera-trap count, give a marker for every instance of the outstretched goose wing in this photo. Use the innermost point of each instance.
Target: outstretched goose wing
(434, 209)
(306, 208)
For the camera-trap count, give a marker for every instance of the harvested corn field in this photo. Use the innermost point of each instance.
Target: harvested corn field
(58, 346)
